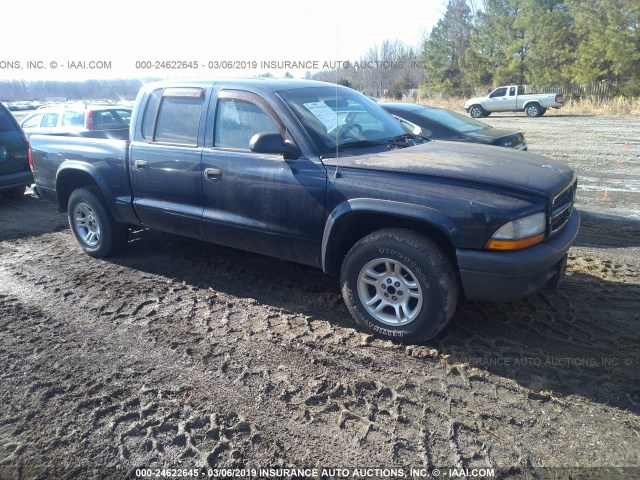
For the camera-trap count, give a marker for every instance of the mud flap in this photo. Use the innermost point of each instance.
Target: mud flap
(561, 267)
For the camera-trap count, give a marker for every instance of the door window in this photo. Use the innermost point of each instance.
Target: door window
(237, 121)
(32, 122)
(501, 92)
(49, 120)
(179, 120)
(171, 115)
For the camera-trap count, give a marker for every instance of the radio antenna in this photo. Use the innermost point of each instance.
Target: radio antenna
(337, 172)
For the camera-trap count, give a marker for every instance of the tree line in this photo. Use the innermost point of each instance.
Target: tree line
(14, 90)
(480, 44)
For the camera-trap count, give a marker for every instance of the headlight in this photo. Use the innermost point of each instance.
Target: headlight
(520, 233)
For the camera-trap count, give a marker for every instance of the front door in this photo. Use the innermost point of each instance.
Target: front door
(260, 202)
(499, 100)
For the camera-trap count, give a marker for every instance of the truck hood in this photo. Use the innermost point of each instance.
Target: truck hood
(495, 166)
(473, 100)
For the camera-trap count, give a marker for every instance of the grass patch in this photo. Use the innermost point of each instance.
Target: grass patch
(585, 106)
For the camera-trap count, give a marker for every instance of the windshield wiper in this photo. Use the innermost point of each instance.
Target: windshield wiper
(405, 140)
(360, 144)
(402, 140)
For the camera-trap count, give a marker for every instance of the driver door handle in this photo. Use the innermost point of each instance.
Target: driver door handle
(140, 164)
(212, 173)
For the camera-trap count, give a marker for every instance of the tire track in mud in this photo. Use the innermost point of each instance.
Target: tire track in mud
(181, 352)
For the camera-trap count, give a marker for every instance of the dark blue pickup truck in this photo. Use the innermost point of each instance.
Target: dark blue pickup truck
(321, 175)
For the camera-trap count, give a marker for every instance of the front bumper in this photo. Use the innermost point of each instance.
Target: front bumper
(506, 276)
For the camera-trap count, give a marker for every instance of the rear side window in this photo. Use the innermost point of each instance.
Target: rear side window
(178, 121)
(6, 122)
(124, 116)
(111, 118)
(73, 119)
(173, 116)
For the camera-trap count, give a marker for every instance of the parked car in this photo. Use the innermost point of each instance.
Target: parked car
(73, 120)
(513, 99)
(21, 106)
(440, 124)
(319, 174)
(15, 174)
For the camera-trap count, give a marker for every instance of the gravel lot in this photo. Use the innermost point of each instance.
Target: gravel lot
(179, 354)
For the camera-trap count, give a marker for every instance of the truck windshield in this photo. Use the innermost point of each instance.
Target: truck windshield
(340, 117)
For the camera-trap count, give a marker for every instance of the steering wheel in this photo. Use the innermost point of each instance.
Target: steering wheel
(345, 129)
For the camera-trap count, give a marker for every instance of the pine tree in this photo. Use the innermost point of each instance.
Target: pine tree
(444, 50)
(608, 42)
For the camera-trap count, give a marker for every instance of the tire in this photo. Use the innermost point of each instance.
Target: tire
(533, 110)
(399, 285)
(92, 224)
(544, 110)
(476, 111)
(15, 193)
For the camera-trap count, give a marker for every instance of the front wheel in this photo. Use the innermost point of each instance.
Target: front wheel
(92, 224)
(476, 111)
(400, 285)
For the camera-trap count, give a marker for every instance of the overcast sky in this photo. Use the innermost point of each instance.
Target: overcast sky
(125, 31)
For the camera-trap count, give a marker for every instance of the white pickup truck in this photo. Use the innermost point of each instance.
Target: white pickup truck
(513, 99)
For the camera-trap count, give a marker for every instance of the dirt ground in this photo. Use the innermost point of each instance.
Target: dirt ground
(178, 354)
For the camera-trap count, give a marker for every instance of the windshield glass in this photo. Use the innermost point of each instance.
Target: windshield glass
(452, 120)
(340, 117)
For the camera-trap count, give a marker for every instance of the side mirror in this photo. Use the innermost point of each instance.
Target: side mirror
(272, 143)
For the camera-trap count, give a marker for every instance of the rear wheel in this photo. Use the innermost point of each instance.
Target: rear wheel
(533, 110)
(92, 224)
(476, 111)
(400, 285)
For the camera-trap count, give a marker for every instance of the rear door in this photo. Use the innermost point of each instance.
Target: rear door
(13, 148)
(510, 99)
(166, 162)
(260, 202)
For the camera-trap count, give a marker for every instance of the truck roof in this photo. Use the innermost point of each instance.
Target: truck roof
(272, 84)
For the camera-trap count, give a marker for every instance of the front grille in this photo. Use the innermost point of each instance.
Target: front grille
(561, 208)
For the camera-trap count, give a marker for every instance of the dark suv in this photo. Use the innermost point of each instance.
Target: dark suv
(15, 174)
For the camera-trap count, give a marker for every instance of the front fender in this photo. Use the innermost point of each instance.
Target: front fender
(429, 216)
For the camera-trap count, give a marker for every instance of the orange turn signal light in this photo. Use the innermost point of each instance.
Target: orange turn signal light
(518, 244)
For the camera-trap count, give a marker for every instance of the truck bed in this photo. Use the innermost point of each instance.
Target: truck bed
(106, 159)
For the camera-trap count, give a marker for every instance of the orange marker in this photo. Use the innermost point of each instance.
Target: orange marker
(605, 197)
